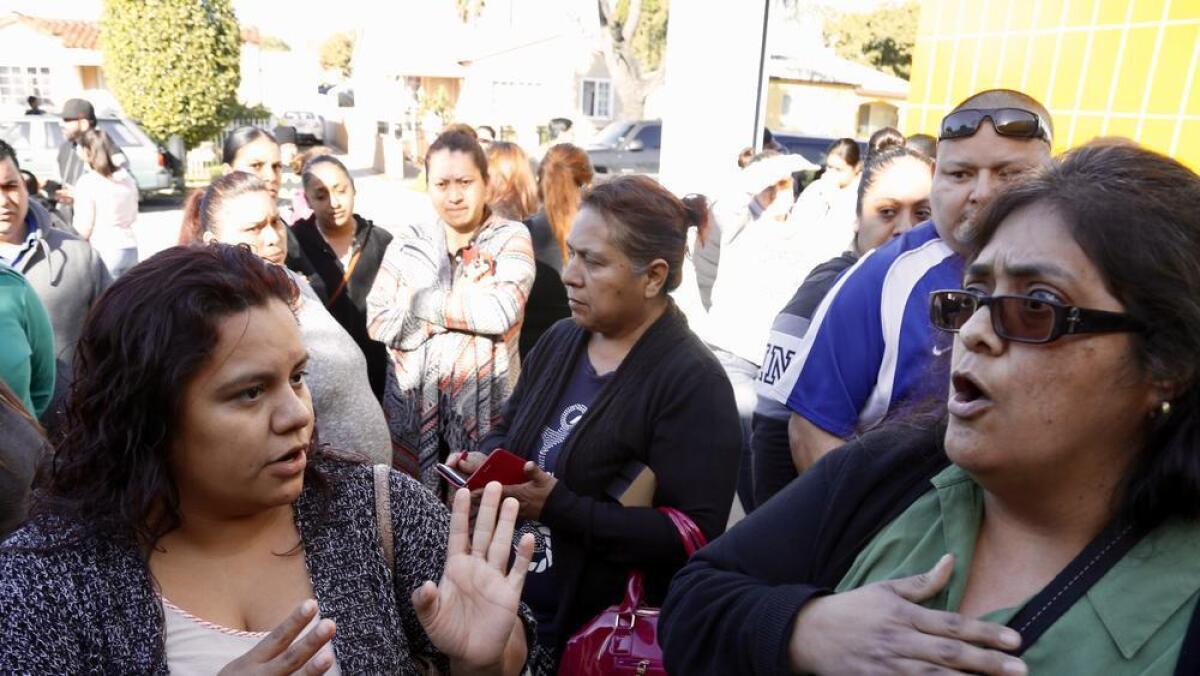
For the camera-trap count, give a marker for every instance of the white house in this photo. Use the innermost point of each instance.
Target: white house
(58, 59)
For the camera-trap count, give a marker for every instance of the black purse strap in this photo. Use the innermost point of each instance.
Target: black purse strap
(1085, 570)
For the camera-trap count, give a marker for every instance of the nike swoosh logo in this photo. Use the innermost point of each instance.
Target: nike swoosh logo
(939, 351)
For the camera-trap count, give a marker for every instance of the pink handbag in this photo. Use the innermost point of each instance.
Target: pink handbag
(623, 639)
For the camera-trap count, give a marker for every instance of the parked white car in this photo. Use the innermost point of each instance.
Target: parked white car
(310, 127)
(37, 138)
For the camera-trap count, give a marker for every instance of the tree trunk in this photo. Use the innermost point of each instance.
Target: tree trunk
(631, 84)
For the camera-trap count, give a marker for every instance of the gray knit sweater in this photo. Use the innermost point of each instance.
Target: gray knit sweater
(72, 603)
(348, 417)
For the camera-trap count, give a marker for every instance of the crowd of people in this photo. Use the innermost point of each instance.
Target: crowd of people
(952, 384)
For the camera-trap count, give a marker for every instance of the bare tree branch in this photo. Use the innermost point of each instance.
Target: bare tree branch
(631, 21)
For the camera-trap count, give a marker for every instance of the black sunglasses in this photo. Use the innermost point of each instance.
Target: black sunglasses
(1015, 122)
(1025, 319)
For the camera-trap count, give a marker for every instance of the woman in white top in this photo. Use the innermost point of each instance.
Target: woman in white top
(106, 204)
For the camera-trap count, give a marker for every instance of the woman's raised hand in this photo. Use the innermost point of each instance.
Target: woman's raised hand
(471, 615)
(277, 655)
(881, 629)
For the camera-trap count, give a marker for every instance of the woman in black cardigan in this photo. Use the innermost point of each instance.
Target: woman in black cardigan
(623, 385)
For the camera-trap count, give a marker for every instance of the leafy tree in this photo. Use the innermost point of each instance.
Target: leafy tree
(882, 39)
(468, 9)
(337, 52)
(636, 32)
(173, 64)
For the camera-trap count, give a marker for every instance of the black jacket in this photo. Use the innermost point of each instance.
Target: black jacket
(732, 608)
(669, 406)
(317, 261)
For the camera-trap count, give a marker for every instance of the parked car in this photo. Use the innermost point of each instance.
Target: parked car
(310, 127)
(627, 147)
(37, 138)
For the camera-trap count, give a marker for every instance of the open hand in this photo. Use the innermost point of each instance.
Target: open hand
(881, 629)
(277, 655)
(471, 615)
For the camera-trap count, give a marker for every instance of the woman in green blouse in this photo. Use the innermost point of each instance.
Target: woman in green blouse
(1049, 524)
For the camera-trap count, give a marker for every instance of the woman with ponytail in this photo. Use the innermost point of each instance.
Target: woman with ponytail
(564, 173)
(623, 387)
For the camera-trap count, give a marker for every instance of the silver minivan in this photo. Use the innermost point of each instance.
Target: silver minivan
(36, 138)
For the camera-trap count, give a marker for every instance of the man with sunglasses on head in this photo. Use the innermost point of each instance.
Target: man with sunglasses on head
(871, 346)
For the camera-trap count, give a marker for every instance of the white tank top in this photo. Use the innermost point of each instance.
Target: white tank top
(198, 647)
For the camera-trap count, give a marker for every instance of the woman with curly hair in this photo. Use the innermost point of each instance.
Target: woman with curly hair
(190, 525)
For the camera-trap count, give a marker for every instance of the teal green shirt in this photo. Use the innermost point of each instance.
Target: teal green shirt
(1132, 621)
(26, 342)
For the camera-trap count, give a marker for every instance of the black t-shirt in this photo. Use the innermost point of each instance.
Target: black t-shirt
(541, 591)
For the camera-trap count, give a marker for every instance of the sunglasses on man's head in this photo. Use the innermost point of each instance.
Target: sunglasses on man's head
(1014, 122)
(1024, 319)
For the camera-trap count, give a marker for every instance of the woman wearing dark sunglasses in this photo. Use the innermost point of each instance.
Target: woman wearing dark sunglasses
(1048, 522)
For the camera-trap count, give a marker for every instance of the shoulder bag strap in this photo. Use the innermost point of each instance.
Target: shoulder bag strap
(383, 516)
(337, 293)
(1101, 554)
(689, 533)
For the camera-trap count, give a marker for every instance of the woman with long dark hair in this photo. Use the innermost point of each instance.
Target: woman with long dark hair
(189, 523)
(106, 204)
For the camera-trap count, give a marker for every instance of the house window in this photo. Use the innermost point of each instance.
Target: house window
(596, 98)
(17, 83)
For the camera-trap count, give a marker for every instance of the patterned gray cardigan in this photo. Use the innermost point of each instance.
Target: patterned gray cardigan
(71, 603)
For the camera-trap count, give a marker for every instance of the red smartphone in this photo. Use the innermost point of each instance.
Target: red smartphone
(501, 466)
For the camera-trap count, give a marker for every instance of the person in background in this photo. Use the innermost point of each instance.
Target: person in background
(300, 208)
(513, 194)
(884, 137)
(35, 106)
(826, 206)
(77, 116)
(870, 348)
(1051, 510)
(344, 251)
(625, 383)
(763, 258)
(512, 191)
(26, 343)
(893, 197)
(64, 270)
(448, 302)
(23, 448)
(923, 143)
(486, 135)
(189, 512)
(564, 172)
(237, 208)
(106, 204)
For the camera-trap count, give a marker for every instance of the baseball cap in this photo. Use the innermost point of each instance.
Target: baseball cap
(78, 109)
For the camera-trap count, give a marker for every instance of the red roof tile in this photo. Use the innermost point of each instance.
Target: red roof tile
(86, 34)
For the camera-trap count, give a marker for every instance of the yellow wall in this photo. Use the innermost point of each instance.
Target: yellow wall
(1102, 67)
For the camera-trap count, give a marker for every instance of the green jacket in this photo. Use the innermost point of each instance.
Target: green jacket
(26, 342)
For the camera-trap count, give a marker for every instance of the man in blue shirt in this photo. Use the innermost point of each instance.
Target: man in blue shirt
(870, 346)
